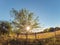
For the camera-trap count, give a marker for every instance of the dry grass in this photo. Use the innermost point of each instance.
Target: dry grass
(38, 35)
(43, 39)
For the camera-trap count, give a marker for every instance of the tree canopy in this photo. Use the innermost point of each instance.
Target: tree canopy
(51, 29)
(5, 27)
(23, 20)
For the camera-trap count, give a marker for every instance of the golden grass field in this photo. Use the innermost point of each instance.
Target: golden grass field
(38, 35)
(43, 38)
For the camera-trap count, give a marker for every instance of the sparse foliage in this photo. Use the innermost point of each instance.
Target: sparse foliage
(24, 18)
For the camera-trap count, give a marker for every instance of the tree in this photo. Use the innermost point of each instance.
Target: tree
(24, 19)
(57, 28)
(51, 29)
(5, 27)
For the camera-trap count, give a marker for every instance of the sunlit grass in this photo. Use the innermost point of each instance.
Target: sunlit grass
(38, 35)
(44, 38)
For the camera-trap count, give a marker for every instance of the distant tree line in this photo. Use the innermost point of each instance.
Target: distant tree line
(51, 29)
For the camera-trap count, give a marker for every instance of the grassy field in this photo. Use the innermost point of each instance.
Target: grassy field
(38, 35)
(40, 39)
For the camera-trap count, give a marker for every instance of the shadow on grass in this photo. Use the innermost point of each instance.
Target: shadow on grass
(22, 42)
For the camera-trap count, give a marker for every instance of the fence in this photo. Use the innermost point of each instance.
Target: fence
(38, 35)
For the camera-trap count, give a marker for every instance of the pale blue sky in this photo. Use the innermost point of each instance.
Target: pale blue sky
(47, 10)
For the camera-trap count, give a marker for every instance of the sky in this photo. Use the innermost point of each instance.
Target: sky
(47, 10)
